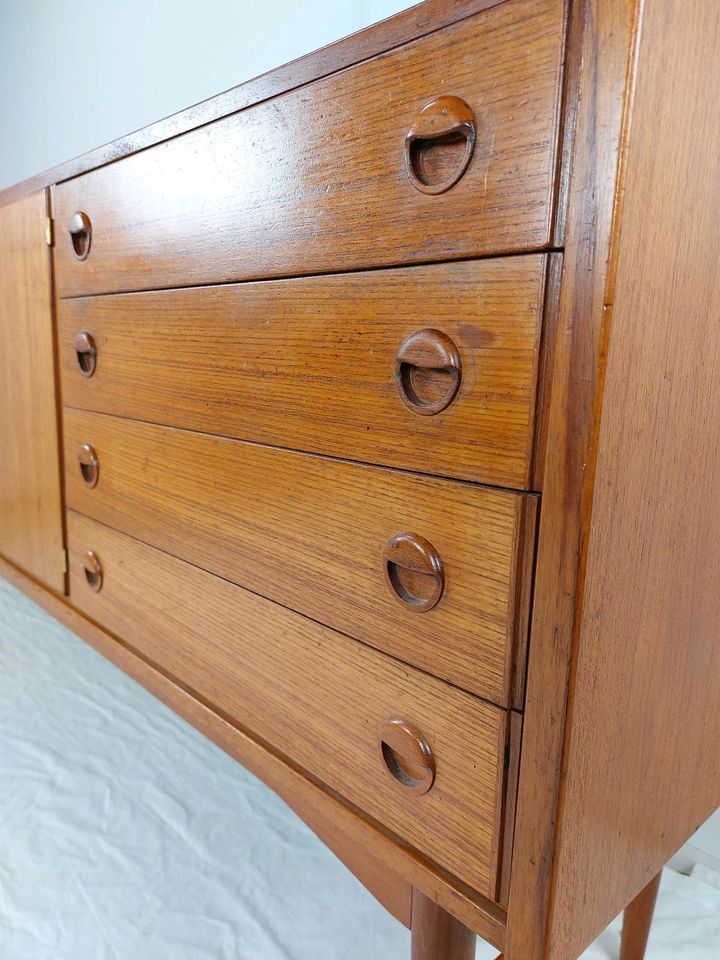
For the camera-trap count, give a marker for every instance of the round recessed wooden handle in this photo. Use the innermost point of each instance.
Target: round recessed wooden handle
(93, 570)
(414, 571)
(428, 371)
(89, 464)
(440, 144)
(85, 353)
(406, 755)
(80, 230)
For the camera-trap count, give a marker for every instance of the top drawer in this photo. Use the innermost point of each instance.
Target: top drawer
(339, 174)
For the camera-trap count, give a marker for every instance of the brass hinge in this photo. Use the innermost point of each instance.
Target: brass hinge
(49, 231)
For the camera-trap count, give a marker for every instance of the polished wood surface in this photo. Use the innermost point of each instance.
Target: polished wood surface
(390, 870)
(310, 532)
(79, 230)
(414, 571)
(440, 143)
(407, 754)
(314, 695)
(646, 672)
(85, 353)
(601, 42)
(310, 363)
(637, 921)
(250, 196)
(92, 570)
(436, 935)
(31, 527)
(89, 465)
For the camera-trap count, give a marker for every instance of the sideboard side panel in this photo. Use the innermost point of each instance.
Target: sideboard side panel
(601, 47)
(642, 766)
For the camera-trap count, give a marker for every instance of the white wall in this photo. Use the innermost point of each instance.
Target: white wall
(75, 74)
(78, 73)
(708, 836)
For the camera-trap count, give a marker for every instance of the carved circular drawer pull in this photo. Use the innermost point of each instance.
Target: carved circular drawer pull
(428, 371)
(414, 571)
(407, 755)
(93, 571)
(80, 230)
(439, 144)
(89, 464)
(86, 353)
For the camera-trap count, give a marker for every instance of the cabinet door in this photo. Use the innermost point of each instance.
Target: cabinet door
(31, 529)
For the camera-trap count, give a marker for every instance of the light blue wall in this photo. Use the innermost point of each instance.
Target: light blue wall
(75, 74)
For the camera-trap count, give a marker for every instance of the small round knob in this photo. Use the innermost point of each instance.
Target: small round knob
(406, 755)
(439, 144)
(89, 464)
(86, 353)
(414, 571)
(93, 571)
(80, 230)
(428, 371)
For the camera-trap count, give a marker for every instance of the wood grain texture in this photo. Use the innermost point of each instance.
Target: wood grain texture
(312, 694)
(637, 921)
(410, 24)
(601, 43)
(315, 181)
(31, 531)
(309, 363)
(436, 935)
(642, 768)
(310, 532)
(368, 849)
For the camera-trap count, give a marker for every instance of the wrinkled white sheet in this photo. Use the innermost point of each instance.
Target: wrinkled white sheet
(125, 835)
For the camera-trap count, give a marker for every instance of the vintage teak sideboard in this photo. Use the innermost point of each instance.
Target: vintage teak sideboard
(369, 415)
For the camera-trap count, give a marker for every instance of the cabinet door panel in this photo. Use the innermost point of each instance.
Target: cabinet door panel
(31, 531)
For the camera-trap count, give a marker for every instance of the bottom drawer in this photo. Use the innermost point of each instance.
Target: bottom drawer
(436, 779)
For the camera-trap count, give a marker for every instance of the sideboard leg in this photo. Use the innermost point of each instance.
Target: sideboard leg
(637, 920)
(436, 935)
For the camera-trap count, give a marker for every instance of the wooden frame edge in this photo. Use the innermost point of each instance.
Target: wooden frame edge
(523, 578)
(512, 775)
(601, 43)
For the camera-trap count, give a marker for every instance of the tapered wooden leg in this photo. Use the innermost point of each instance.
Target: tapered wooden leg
(637, 921)
(436, 935)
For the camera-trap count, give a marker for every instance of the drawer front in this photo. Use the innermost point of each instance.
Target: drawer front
(341, 365)
(312, 534)
(317, 697)
(321, 178)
